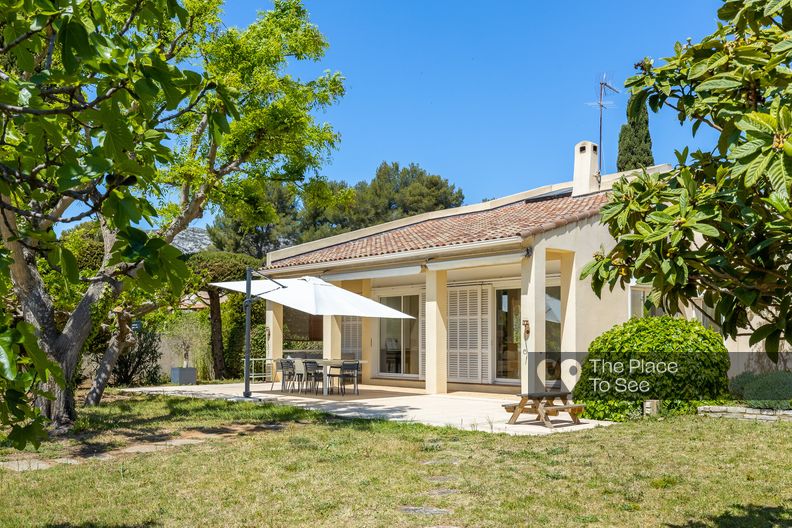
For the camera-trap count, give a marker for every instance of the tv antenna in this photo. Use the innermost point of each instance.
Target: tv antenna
(602, 104)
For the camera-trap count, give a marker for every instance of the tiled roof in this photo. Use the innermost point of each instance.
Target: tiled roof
(523, 218)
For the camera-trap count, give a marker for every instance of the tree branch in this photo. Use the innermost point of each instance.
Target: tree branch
(24, 36)
(66, 110)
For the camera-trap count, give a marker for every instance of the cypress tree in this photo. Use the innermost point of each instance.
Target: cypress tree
(635, 143)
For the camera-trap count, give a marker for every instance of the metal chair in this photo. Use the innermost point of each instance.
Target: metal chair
(287, 373)
(314, 374)
(299, 374)
(348, 371)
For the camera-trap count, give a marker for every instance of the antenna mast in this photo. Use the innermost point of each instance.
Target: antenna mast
(603, 88)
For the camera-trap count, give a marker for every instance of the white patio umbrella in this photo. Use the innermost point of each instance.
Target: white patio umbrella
(307, 294)
(314, 296)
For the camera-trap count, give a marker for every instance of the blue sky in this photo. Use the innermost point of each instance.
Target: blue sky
(491, 95)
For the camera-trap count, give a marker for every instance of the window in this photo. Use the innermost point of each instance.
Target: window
(553, 333)
(399, 345)
(638, 298)
(705, 315)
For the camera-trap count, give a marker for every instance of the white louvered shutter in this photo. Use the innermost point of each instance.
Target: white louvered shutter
(351, 337)
(468, 335)
(453, 334)
(485, 342)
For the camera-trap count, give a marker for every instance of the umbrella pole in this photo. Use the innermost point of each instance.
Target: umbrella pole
(248, 301)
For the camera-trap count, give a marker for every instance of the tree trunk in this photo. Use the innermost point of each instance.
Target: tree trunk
(60, 410)
(216, 321)
(121, 342)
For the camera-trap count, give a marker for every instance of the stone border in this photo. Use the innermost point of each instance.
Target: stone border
(745, 413)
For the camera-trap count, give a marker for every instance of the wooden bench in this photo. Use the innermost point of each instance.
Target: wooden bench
(542, 404)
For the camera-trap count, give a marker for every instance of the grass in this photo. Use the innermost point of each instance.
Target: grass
(317, 471)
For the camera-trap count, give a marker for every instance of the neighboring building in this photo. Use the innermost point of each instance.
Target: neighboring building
(494, 288)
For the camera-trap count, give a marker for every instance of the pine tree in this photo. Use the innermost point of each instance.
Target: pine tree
(635, 143)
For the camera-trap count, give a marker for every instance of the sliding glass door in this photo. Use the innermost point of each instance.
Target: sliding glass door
(507, 334)
(398, 339)
(508, 328)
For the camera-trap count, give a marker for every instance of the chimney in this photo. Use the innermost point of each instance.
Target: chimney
(585, 177)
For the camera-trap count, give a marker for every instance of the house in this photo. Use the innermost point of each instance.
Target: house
(494, 289)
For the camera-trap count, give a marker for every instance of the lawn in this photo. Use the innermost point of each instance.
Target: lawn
(301, 468)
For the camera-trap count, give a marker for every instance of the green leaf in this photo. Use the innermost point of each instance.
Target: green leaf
(782, 46)
(697, 70)
(8, 358)
(757, 168)
(69, 265)
(785, 118)
(774, 6)
(706, 230)
(719, 84)
(780, 175)
(746, 149)
(74, 45)
(758, 123)
(761, 333)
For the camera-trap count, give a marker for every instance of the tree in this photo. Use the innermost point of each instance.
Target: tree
(217, 266)
(394, 192)
(100, 114)
(326, 211)
(717, 229)
(635, 143)
(262, 219)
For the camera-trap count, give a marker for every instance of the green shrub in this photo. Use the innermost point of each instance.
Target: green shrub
(612, 410)
(699, 355)
(770, 391)
(233, 317)
(738, 383)
(258, 341)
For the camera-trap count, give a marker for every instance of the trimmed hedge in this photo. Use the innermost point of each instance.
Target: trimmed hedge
(738, 383)
(772, 390)
(700, 357)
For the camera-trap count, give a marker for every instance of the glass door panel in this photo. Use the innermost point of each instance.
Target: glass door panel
(410, 335)
(390, 339)
(399, 340)
(507, 332)
(553, 334)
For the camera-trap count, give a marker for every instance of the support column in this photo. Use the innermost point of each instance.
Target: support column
(436, 332)
(569, 352)
(331, 337)
(532, 308)
(367, 325)
(275, 332)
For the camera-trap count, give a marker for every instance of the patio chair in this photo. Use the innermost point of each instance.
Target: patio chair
(299, 374)
(314, 374)
(348, 372)
(287, 373)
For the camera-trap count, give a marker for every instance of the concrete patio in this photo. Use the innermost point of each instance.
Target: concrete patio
(474, 411)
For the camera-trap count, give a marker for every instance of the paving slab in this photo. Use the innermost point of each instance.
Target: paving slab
(441, 492)
(424, 510)
(25, 464)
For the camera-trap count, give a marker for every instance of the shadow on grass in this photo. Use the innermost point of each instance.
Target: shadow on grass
(148, 524)
(750, 516)
(160, 418)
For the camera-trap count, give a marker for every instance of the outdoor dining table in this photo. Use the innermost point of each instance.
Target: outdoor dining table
(543, 405)
(326, 365)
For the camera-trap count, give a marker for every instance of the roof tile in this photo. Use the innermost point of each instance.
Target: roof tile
(523, 218)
